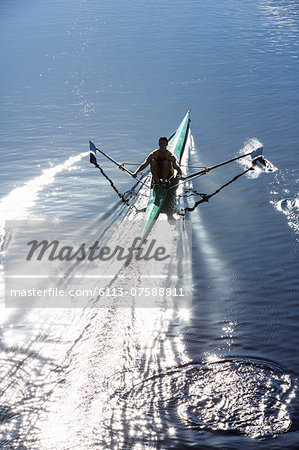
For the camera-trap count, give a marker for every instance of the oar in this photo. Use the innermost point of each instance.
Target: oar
(181, 165)
(254, 154)
(93, 160)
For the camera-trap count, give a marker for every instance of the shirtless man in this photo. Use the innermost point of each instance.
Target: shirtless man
(162, 162)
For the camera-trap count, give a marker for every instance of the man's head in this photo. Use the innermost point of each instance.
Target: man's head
(163, 141)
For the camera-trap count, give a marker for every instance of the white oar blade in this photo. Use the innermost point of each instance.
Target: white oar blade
(258, 160)
(256, 153)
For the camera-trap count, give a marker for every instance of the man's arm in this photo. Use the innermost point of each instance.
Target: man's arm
(176, 165)
(144, 164)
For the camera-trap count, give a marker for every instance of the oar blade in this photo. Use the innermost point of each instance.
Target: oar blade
(263, 164)
(93, 159)
(258, 160)
(257, 152)
(92, 147)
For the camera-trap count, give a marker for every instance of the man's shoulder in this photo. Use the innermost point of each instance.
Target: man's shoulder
(153, 153)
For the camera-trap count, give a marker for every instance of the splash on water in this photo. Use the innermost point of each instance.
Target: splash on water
(260, 165)
(289, 207)
(285, 196)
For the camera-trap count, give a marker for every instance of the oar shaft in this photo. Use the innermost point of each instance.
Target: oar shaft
(93, 160)
(115, 162)
(202, 172)
(229, 161)
(194, 175)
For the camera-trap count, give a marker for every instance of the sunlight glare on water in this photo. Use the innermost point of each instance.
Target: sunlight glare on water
(220, 372)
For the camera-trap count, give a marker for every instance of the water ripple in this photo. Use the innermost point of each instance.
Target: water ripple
(250, 397)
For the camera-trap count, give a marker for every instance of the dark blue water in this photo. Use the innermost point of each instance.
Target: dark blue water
(224, 372)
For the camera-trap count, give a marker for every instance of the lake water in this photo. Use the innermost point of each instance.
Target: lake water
(223, 372)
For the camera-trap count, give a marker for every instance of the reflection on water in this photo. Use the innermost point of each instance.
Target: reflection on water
(250, 397)
(120, 376)
(281, 21)
(113, 376)
(107, 378)
(118, 348)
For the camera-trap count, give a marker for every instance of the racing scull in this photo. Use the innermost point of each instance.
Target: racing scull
(157, 195)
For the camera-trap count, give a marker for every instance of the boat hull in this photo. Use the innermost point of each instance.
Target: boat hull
(157, 196)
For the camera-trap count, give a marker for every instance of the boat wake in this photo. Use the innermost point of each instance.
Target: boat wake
(20, 201)
(19, 204)
(61, 366)
(117, 376)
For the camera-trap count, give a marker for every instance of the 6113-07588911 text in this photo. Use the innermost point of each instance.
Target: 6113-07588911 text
(101, 292)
